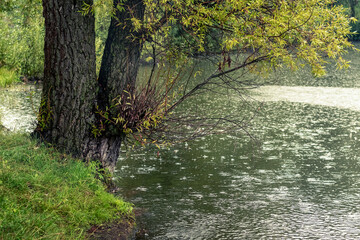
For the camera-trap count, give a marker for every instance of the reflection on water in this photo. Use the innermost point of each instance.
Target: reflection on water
(328, 96)
(18, 106)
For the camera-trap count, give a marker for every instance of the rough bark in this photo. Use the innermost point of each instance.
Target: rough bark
(119, 68)
(105, 149)
(66, 114)
(120, 62)
(71, 92)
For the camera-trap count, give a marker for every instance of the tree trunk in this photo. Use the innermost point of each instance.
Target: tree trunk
(353, 4)
(119, 69)
(66, 114)
(71, 93)
(120, 62)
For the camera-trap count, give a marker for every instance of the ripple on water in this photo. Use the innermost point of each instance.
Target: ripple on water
(298, 180)
(18, 106)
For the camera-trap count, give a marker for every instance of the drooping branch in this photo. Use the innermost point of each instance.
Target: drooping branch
(217, 74)
(267, 35)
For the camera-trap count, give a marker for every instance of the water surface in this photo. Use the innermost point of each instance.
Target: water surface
(348, 98)
(299, 178)
(18, 107)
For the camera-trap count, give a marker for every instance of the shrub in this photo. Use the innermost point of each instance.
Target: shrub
(22, 37)
(7, 77)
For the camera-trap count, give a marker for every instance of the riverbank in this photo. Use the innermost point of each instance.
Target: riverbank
(48, 195)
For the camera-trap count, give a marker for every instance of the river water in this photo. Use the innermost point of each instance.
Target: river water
(18, 107)
(297, 178)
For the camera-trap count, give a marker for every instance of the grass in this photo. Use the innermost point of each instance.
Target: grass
(47, 195)
(7, 77)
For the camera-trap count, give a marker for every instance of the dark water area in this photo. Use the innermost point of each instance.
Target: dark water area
(299, 180)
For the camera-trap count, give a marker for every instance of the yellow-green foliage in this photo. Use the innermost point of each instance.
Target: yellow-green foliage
(47, 195)
(7, 77)
(275, 33)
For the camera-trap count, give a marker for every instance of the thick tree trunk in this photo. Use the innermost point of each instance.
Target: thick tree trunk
(119, 68)
(105, 149)
(66, 114)
(120, 62)
(71, 93)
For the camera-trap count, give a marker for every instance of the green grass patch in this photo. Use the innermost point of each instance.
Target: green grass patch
(47, 195)
(7, 77)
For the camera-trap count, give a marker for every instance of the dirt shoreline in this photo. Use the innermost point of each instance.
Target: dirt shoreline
(123, 229)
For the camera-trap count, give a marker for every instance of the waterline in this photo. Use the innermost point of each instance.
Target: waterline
(347, 98)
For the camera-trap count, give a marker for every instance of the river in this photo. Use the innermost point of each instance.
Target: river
(297, 178)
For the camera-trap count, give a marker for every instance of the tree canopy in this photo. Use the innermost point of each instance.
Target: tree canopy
(278, 32)
(90, 117)
(251, 36)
